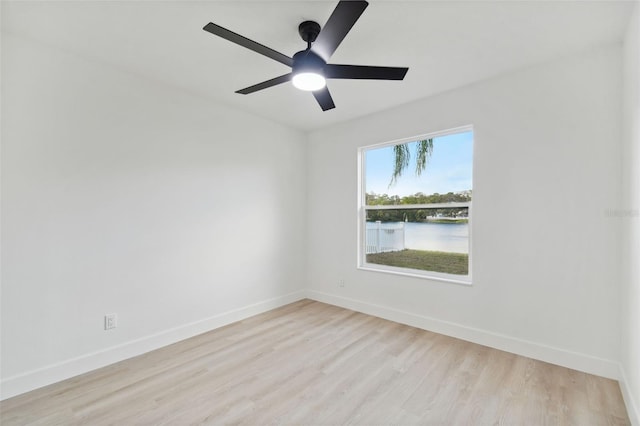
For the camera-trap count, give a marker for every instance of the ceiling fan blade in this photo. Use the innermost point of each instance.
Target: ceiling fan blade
(249, 44)
(344, 16)
(324, 99)
(364, 72)
(265, 84)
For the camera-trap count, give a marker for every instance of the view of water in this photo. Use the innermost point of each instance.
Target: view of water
(450, 237)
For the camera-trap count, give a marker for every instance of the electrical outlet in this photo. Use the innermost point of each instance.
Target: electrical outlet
(110, 321)
(341, 282)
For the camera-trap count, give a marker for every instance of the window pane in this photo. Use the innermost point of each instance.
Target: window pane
(419, 219)
(431, 239)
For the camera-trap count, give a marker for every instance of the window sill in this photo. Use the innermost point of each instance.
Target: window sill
(434, 276)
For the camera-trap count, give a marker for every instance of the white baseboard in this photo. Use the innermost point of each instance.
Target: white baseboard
(38, 378)
(34, 379)
(552, 355)
(629, 400)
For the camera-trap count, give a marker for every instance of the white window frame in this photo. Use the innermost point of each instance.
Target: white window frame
(362, 215)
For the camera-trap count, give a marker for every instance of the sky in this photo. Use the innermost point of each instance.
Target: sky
(448, 170)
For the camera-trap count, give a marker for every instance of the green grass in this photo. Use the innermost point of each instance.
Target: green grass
(435, 261)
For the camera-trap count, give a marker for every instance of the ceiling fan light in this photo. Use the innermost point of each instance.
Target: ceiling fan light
(309, 81)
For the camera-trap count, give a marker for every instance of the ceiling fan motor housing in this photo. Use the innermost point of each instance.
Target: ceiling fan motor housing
(307, 61)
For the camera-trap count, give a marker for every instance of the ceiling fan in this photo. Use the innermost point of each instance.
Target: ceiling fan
(309, 67)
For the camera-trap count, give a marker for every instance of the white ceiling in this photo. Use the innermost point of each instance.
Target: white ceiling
(445, 44)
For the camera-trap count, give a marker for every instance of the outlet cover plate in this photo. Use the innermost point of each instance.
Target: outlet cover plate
(110, 321)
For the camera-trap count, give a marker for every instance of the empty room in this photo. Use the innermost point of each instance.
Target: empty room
(320, 212)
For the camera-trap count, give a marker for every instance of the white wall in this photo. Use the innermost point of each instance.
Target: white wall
(629, 215)
(545, 253)
(123, 195)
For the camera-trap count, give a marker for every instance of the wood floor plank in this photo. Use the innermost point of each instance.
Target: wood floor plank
(313, 363)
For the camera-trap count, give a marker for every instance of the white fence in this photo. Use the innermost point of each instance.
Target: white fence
(383, 237)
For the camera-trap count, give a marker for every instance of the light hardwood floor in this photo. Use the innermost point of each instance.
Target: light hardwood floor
(312, 363)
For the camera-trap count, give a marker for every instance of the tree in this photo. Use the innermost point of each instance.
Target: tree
(402, 156)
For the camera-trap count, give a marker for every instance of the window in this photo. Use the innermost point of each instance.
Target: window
(415, 206)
